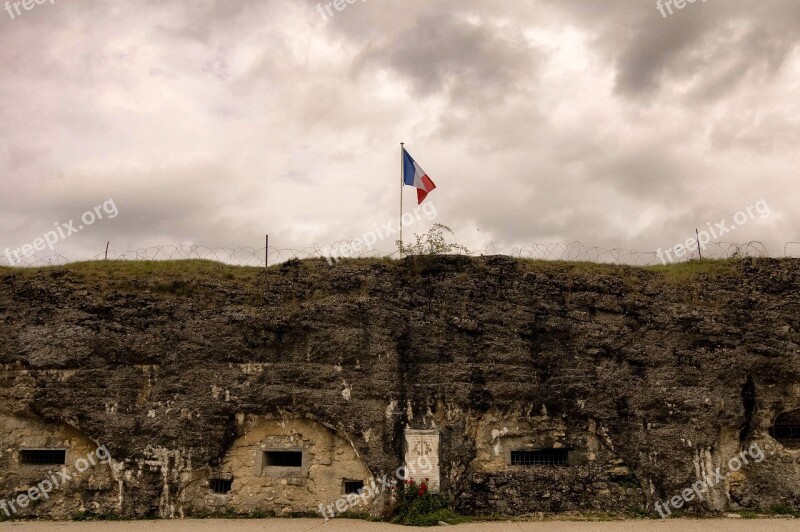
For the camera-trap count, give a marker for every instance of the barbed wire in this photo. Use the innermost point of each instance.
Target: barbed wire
(572, 251)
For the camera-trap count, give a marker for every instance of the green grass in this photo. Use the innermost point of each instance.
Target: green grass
(637, 513)
(90, 516)
(415, 506)
(573, 266)
(433, 517)
(198, 279)
(218, 269)
(110, 270)
(360, 515)
(683, 271)
(784, 509)
(680, 271)
(168, 267)
(186, 278)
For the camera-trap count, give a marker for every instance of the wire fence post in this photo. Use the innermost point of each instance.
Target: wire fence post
(571, 251)
(696, 232)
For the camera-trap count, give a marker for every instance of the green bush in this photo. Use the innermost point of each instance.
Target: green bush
(432, 243)
(416, 506)
(782, 509)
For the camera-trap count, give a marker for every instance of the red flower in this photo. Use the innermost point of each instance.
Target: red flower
(421, 493)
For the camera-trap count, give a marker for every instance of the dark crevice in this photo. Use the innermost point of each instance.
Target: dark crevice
(749, 403)
(480, 397)
(405, 376)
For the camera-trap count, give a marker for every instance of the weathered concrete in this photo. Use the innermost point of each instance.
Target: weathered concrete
(651, 380)
(93, 490)
(328, 460)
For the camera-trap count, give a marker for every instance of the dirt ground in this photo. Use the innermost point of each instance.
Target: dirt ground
(345, 525)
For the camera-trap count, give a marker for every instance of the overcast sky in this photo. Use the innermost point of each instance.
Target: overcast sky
(215, 122)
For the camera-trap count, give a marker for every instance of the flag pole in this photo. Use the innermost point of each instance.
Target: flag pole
(402, 144)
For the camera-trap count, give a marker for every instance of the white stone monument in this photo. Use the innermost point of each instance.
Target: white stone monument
(422, 457)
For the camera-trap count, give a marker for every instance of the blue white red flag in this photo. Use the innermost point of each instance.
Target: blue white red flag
(414, 176)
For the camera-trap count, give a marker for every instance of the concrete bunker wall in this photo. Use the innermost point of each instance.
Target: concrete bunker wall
(325, 461)
(677, 377)
(87, 485)
(775, 482)
(538, 463)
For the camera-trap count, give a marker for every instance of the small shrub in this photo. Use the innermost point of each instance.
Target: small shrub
(416, 506)
(432, 243)
(781, 509)
(638, 512)
(290, 515)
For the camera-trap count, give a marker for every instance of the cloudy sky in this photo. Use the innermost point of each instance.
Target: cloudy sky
(215, 122)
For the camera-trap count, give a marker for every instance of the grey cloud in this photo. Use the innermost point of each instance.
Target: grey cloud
(725, 41)
(445, 52)
(214, 122)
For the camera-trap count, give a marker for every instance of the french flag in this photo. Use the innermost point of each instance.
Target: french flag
(414, 176)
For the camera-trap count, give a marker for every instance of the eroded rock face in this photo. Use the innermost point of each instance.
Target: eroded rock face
(647, 381)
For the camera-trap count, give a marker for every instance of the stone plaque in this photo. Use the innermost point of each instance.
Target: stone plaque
(422, 456)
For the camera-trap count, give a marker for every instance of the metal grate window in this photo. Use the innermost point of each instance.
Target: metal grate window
(548, 457)
(220, 486)
(353, 486)
(43, 456)
(787, 429)
(284, 458)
